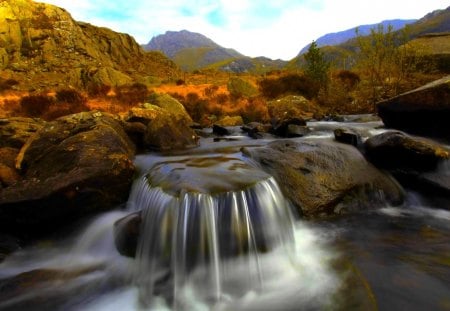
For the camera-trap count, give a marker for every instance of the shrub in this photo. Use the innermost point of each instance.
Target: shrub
(70, 96)
(289, 84)
(255, 110)
(239, 88)
(194, 105)
(98, 90)
(36, 105)
(132, 94)
(347, 78)
(7, 84)
(180, 82)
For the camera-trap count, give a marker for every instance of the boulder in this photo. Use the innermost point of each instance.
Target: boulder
(126, 233)
(347, 136)
(292, 106)
(290, 127)
(230, 121)
(74, 165)
(325, 178)
(14, 132)
(417, 163)
(8, 173)
(397, 150)
(165, 130)
(173, 106)
(424, 111)
(220, 130)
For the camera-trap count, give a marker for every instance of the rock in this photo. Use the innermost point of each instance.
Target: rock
(8, 173)
(55, 289)
(424, 111)
(283, 128)
(14, 132)
(256, 130)
(397, 150)
(292, 107)
(347, 136)
(164, 130)
(220, 130)
(36, 35)
(8, 245)
(74, 165)
(173, 106)
(230, 121)
(126, 233)
(294, 130)
(325, 178)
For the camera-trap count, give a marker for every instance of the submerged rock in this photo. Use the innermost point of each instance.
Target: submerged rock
(323, 178)
(74, 165)
(423, 111)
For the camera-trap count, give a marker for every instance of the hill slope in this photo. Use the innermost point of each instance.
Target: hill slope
(41, 46)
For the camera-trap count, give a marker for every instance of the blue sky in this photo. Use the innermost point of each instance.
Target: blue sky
(276, 29)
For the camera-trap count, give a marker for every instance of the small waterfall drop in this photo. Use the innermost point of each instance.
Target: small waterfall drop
(203, 237)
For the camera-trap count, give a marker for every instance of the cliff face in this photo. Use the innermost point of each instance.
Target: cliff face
(42, 46)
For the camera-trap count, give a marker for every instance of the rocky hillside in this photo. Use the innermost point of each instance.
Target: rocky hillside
(42, 46)
(337, 38)
(192, 51)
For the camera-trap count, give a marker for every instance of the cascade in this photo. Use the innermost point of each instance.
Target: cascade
(196, 230)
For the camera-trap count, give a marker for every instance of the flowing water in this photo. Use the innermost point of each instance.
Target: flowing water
(217, 234)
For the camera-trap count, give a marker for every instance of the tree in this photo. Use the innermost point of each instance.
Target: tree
(385, 61)
(316, 67)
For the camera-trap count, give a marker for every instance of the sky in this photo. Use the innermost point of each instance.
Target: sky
(275, 29)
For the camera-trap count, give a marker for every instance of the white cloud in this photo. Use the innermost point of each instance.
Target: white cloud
(274, 29)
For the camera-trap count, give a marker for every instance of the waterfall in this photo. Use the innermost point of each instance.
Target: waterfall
(195, 241)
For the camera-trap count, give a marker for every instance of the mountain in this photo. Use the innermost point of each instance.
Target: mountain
(193, 51)
(435, 22)
(431, 32)
(337, 38)
(42, 46)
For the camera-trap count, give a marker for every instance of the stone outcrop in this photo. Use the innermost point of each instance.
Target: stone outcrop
(423, 111)
(72, 166)
(324, 178)
(42, 46)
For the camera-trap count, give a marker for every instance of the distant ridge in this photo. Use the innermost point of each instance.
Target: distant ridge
(340, 37)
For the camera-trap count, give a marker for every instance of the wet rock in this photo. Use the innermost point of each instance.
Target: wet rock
(74, 165)
(55, 289)
(164, 130)
(397, 150)
(256, 130)
(126, 233)
(220, 130)
(289, 126)
(347, 136)
(423, 111)
(324, 178)
(8, 245)
(14, 132)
